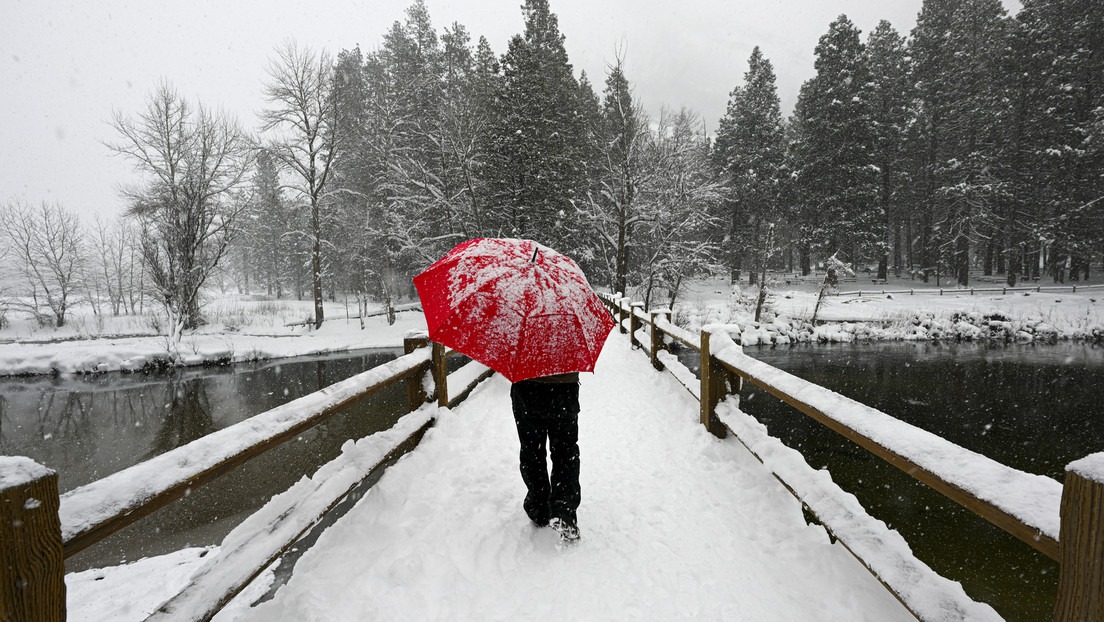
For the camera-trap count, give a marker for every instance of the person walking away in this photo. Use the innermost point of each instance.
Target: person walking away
(546, 411)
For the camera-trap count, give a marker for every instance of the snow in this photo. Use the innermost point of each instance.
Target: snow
(923, 315)
(677, 525)
(882, 549)
(284, 518)
(492, 298)
(244, 330)
(251, 335)
(18, 471)
(1090, 467)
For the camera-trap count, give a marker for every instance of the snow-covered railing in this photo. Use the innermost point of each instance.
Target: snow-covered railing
(1064, 522)
(38, 529)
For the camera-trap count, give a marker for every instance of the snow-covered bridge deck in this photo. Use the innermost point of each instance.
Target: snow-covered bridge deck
(676, 524)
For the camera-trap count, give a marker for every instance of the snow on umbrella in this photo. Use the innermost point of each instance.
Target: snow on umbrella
(518, 307)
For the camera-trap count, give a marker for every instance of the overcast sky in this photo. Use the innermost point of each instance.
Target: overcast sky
(64, 66)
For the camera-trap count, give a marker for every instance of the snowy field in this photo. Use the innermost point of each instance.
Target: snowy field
(246, 328)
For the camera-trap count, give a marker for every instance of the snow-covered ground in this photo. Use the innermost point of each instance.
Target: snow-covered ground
(245, 328)
(239, 330)
(676, 525)
(954, 314)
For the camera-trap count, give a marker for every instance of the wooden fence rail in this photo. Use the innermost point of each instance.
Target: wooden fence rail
(39, 528)
(1064, 522)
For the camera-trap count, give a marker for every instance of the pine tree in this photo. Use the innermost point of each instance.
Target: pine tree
(1063, 44)
(622, 149)
(535, 168)
(891, 97)
(269, 226)
(963, 94)
(749, 151)
(832, 151)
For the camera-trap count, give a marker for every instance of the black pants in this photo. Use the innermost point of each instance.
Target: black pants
(547, 415)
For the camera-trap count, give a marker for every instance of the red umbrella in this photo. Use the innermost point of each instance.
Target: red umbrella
(518, 307)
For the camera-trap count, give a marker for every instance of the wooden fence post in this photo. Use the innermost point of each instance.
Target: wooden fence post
(32, 561)
(634, 323)
(440, 374)
(657, 337)
(716, 383)
(621, 314)
(415, 389)
(1081, 542)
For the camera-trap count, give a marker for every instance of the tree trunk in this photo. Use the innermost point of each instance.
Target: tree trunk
(316, 266)
(962, 260)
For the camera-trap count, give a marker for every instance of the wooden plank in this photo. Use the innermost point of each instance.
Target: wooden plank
(32, 564)
(208, 592)
(111, 510)
(990, 512)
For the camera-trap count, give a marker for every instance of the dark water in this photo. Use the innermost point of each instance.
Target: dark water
(88, 427)
(1033, 407)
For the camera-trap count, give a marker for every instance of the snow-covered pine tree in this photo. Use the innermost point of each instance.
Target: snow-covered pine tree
(623, 140)
(891, 97)
(832, 151)
(536, 168)
(749, 151)
(963, 104)
(1062, 44)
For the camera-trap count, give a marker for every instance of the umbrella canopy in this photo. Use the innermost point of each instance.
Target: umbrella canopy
(518, 307)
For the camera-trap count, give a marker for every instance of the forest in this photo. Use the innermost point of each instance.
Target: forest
(974, 143)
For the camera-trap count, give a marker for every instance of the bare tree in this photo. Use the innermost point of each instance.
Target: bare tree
(112, 266)
(46, 243)
(303, 113)
(193, 160)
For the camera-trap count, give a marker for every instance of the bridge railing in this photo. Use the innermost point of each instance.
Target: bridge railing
(1064, 522)
(39, 528)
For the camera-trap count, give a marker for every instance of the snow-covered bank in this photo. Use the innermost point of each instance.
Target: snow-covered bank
(251, 336)
(956, 315)
(242, 330)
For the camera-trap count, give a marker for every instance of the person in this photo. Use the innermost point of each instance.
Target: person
(546, 411)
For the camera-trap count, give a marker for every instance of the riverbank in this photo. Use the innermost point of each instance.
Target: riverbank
(928, 314)
(239, 329)
(243, 328)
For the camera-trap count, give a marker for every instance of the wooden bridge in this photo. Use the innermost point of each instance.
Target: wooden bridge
(39, 528)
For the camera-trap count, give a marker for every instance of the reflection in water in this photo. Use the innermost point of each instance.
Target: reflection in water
(88, 427)
(1034, 408)
(188, 417)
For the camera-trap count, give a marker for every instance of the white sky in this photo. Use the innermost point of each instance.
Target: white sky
(64, 65)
